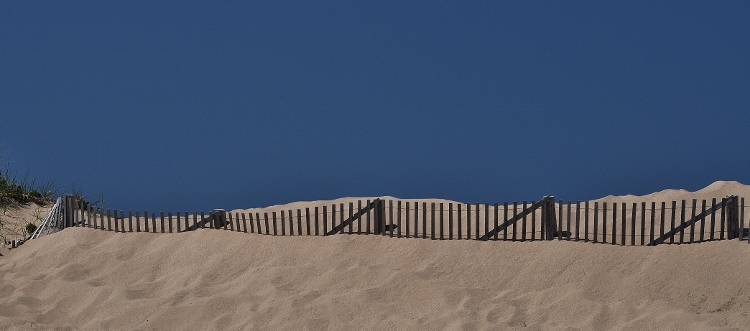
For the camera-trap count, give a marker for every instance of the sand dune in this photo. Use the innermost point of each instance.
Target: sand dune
(212, 279)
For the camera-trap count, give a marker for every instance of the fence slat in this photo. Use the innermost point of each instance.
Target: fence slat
(643, 223)
(390, 217)
(515, 215)
(703, 221)
(604, 222)
(486, 221)
(614, 223)
(468, 221)
(505, 220)
(450, 221)
(497, 219)
(624, 224)
(661, 228)
(307, 220)
(424, 220)
(568, 223)
(586, 222)
(283, 223)
(692, 224)
(359, 216)
(723, 218)
(317, 221)
(432, 221)
(398, 221)
(682, 221)
(476, 216)
(653, 221)
(533, 222)
(441, 222)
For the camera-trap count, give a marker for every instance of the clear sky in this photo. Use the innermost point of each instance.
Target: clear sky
(189, 105)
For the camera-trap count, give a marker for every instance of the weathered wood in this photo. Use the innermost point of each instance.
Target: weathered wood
(468, 221)
(623, 242)
(291, 222)
(458, 220)
(283, 224)
(203, 220)
(341, 219)
(230, 221)
(497, 219)
(390, 218)
(702, 236)
(398, 219)
(416, 220)
(130, 221)
(137, 220)
(682, 221)
(672, 223)
(244, 222)
(450, 221)
(533, 222)
(713, 219)
(560, 221)
(487, 220)
(257, 224)
(604, 222)
(505, 220)
(325, 222)
(307, 220)
(742, 218)
(516, 218)
(424, 220)
(568, 223)
(273, 220)
(441, 222)
(643, 223)
(317, 221)
(351, 217)
(476, 228)
(685, 224)
(359, 218)
(432, 221)
(299, 222)
(723, 219)
(367, 228)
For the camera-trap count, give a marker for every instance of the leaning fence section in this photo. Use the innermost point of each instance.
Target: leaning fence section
(615, 223)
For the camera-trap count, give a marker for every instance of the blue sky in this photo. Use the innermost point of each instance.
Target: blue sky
(190, 105)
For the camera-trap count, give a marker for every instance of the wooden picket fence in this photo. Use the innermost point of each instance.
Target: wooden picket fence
(633, 224)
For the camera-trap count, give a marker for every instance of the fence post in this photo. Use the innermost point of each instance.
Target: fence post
(550, 219)
(219, 218)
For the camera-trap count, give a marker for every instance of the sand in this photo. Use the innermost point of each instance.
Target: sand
(213, 279)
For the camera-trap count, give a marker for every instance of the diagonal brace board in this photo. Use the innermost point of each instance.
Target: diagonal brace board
(349, 221)
(507, 223)
(692, 220)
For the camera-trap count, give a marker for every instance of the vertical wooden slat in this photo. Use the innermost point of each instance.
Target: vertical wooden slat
(351, 218)
(109, 221)
(416, 220)
(398, 219)
(682, 221)
(122, 220)
(325, 220)
(702, 236)
(367, 227)
(432, 221)
(569, 220)
(624, 224)
(138, 221)
(307, 220)
(424, 220)
(244, 222)
(299, 222)
(742, 218)
(653, 220)
(497, 219)
(251, 220)
(476, 228)
(257, 224)
(723, 218)
(692, 217)
(450, 221)
(643, 223)
(195, 219)
(672, 222)
(130, 221)
(515, 214)
(230, 220)
(359, 217)
(713, 218)
(604, 222)
(533, 222)
(486, 220)
(505, 220)
(458, 220)
(333, 218)
(317, 220)
(614, 223)
(596, 221)
(442, 237)
(291, 222)
(283, 223)
(203, 220)
(390, 217)
(341, 214)
(273, 220)
(468, 221)
(179, 222)
(187, 221)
